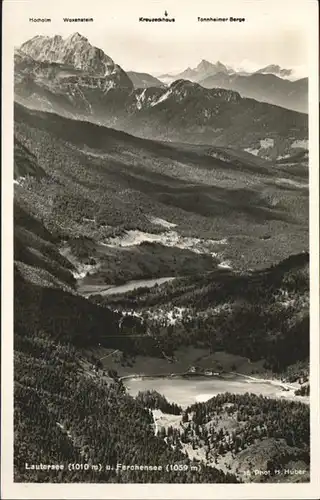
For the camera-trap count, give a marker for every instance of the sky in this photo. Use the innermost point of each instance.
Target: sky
(274, 32)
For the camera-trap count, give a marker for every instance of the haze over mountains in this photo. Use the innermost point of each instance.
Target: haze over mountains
(271, 84)
(144, 80)
(206, 68)
(275, 69)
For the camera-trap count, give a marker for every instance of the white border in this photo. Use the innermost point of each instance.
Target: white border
(12, 490)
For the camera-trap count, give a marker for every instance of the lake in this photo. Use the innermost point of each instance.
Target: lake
(187, 391)
(126, 287)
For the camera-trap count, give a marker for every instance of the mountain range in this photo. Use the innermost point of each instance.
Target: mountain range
(264, 87)
(207, 68)
(75, 79)
(268, 84)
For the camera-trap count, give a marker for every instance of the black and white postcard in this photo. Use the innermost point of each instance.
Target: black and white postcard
(160, 319)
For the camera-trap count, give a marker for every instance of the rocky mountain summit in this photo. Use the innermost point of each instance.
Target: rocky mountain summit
(75, 51)
(69, 76)
(69, 68)
(200, 72)
(206, 68)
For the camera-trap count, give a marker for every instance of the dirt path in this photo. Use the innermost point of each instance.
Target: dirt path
(110, 354)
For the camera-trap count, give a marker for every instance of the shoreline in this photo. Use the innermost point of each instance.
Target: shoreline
(169, 375)
(272, 381)
(220, 376)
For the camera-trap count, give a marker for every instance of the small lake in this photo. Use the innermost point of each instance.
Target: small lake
(126, 287)
(132, 285)
(187, 391)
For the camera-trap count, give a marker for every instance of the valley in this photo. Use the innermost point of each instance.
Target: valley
(161, 273)
(237, 202)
